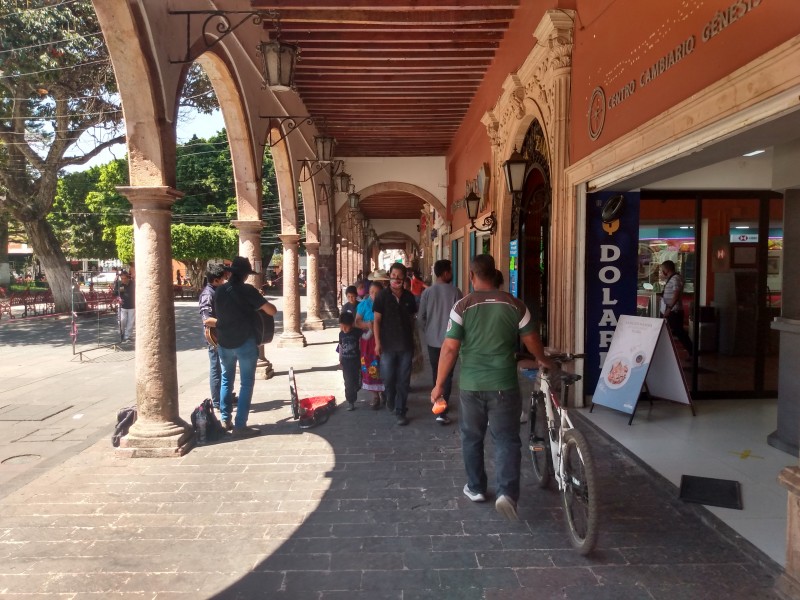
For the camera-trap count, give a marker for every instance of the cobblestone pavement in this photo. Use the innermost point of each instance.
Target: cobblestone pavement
(357, 508)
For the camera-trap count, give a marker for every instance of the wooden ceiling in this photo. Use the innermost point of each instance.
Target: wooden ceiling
(391, 77)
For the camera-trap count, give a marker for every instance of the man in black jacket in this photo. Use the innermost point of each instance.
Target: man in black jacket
(235, 304)
(394, 310)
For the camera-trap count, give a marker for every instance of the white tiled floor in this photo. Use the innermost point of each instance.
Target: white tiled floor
(726, 440)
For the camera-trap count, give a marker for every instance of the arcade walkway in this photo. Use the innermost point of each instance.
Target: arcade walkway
(356, 508)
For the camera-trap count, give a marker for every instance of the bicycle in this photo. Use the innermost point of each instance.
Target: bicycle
(560, 450)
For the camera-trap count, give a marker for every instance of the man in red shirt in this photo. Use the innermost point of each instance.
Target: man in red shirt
(417, 286)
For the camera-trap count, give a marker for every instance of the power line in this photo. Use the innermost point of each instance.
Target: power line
(48, 6)
(53, 43)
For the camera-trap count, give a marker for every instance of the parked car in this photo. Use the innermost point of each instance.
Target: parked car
(104, 278)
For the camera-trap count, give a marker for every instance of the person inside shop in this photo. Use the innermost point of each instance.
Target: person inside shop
(672, 304)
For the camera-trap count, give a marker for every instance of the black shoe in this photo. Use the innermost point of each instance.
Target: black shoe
(351, 406)
(402, 421)
(443, 420)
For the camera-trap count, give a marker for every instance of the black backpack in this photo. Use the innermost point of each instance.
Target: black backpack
(214, 429)
(125, 418)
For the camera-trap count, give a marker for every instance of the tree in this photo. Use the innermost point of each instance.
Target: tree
(193, 245)
(57, 97)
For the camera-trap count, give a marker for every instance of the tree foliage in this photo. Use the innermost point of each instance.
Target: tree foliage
(59, 107)
(193, 245)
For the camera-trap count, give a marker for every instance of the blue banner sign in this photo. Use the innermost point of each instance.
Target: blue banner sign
(612, 247)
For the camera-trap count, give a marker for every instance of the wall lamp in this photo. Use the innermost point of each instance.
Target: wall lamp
(473, 202)
(514, 169)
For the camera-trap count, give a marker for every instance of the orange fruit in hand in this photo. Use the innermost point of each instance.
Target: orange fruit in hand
(439, 406)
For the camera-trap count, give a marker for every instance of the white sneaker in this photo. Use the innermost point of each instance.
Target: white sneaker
(506, 507)
(472, 495)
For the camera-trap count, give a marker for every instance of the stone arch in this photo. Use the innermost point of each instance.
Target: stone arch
(308, 188)
(284, 174)
(150, 132)
(245, 157)
(397, 186)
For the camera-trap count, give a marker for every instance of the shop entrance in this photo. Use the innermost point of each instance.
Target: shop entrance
(728, 246)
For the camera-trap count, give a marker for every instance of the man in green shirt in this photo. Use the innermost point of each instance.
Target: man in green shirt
(483, 329)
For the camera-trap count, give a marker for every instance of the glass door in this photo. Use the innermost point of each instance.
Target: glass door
(728, 246)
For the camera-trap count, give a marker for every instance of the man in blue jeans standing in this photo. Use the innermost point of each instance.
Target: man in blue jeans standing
(215, 277)
(394, 310)
(236, 303)
(483, 328)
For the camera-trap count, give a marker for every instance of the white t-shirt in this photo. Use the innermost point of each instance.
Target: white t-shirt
(671, 289)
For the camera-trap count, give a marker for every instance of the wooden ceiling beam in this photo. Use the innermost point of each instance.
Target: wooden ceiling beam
(454, 18)
(383, 55)
(316, 5)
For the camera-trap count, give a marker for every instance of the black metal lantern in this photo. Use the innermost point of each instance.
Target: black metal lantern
(514, 169)
(325, 145)
(342, 181)
(353, 199)
(278, 61)
(473, 202)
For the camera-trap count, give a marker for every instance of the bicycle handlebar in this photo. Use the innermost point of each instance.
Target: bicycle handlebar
(559, 357)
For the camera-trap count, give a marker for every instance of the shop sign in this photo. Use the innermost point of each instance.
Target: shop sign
(722, 19)
(612, 268)
(513, 268)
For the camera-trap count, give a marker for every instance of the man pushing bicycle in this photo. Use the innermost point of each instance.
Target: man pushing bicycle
(483, 329)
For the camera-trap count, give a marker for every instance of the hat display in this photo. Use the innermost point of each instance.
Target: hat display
(240, 265)
(379, 275)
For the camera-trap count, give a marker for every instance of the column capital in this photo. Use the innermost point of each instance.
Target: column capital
(153, 197)
(289, 239)
(248, 226)
(312, 247)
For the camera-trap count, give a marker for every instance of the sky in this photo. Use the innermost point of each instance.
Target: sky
(190, 123)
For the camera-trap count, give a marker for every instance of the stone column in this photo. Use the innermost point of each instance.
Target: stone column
(291, 335)
(313, 319)
(786, 436)
(329, 309)
(250, 248)
(159, 431)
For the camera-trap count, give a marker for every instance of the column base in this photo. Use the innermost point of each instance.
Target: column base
(788, 587)
(157, 440)
(314, 324)
(774, 440)
(292, 340)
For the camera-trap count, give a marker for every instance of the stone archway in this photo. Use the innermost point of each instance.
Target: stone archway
(539, 90)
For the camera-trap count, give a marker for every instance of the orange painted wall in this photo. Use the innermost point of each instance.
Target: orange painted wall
(470, 147)
(616, 41)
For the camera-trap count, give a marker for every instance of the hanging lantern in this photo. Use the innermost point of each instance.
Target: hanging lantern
(277, 64)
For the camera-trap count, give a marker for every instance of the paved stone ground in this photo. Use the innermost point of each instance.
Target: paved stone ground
(357, 508)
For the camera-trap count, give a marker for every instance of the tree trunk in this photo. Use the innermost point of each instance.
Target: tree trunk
(5, 268)
(195, 271)
(48, 250)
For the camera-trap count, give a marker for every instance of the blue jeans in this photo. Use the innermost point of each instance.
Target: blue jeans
(396, 373)
(499, 411)
(247, 356)
(214, 374)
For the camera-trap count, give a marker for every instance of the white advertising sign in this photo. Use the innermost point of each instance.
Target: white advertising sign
(641, 352)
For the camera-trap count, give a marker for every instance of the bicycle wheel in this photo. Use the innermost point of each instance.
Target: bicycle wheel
(578, 495)
(539, 440)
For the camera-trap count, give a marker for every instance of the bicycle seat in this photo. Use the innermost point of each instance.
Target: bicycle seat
(569, 378)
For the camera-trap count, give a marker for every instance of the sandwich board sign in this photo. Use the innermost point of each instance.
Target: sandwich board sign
(641, 354)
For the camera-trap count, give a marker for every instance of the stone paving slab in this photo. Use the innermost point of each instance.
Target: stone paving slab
(357, 508)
